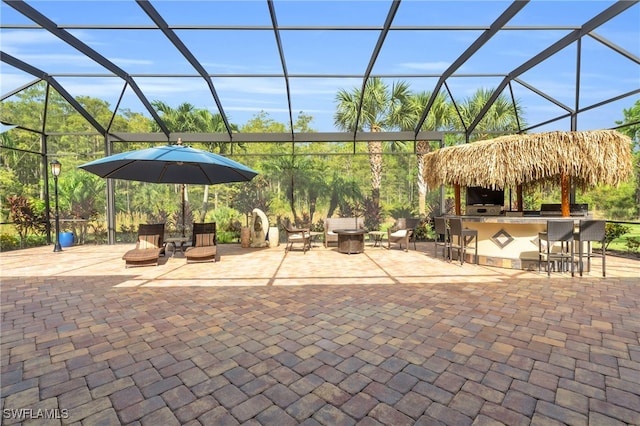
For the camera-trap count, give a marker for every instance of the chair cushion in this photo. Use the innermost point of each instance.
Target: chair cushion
(298, 236)
(204, 240)
(400, 233)
(142, 255)
(148, 242)
(200, 253)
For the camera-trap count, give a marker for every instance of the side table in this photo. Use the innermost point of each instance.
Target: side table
(377, 237)
(174, 240)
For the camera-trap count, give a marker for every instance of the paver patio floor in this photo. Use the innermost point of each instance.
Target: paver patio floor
(263, 337)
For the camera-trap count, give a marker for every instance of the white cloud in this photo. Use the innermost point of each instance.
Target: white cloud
(13, 40)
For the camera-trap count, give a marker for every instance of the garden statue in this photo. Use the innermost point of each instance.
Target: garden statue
(259, 229)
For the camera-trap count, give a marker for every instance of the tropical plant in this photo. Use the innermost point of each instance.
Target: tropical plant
(343, 192)
(26, 217)
(80, 194)
(438, 118)
(383, 108)
(614, 231)
(503, 116)
(631, 123)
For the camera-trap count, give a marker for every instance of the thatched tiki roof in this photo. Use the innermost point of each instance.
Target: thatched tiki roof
(589, 158)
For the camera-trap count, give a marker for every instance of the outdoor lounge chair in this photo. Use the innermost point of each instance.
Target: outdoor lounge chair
(203, 244)
(298, 235)
(149, 246)
(403, 232)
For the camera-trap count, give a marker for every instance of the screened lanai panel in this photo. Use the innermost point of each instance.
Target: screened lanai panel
(599, 63)
(12, 112)
(336, 52)
(317, 97)
(538, 109)
(331, 13)
(556, 75)
(233, 52)
(422, 52)
(13, 78)
(611, 114)
(508, 49)
(616, 30)
(174, 92)
(96, 12)
(103, 88)
(46, 52)
(448, 13)
(245, 97)
(213, 13)
(559, 13)
(147, 51)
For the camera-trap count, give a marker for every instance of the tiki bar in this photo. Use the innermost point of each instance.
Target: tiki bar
(507, 236)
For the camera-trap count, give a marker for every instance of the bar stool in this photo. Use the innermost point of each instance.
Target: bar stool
(465, 236)
(442, 236)
(590, 230)
(557, 231)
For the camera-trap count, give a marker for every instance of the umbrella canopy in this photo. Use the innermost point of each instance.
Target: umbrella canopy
(589, 158)
(170, 164)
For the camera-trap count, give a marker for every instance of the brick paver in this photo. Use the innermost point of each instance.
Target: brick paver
(318, 338)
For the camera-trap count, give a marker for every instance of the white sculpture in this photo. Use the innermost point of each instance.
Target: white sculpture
(259, 229)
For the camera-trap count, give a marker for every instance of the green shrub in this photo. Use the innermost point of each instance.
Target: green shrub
(613, 231)
(633, 244)
(12, 242)
(9, 242)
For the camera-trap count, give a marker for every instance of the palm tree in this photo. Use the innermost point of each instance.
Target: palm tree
(438, 118)
(502, 116)
(383, 108)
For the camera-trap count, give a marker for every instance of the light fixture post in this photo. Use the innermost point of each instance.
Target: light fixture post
(56, 167)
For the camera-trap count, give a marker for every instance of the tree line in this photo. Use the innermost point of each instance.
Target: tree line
(377, 180)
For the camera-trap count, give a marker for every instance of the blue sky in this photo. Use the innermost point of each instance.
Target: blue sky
(253, 52)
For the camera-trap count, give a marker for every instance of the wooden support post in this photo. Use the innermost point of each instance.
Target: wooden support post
(564, 184)
(519, 201)
(457, 195)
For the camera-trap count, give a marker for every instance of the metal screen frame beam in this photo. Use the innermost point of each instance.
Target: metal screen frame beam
(72, 41)
(182, 48)
(608, 14)
(493, 29)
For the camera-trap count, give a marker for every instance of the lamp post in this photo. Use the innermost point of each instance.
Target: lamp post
(56, 167)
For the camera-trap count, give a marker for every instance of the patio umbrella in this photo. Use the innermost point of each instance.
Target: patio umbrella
(177, 164)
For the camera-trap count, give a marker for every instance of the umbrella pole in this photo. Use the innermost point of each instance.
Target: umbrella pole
(183, 207)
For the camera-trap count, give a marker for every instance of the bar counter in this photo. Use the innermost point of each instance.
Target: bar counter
(509, 241)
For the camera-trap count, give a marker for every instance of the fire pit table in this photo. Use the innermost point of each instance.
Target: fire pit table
(350, 241)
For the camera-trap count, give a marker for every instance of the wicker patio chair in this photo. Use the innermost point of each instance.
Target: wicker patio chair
(403, 232)
(441, 229)
(557, 231)
(591, 230)
(149, 246)
(203, 243)
(297, 236)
